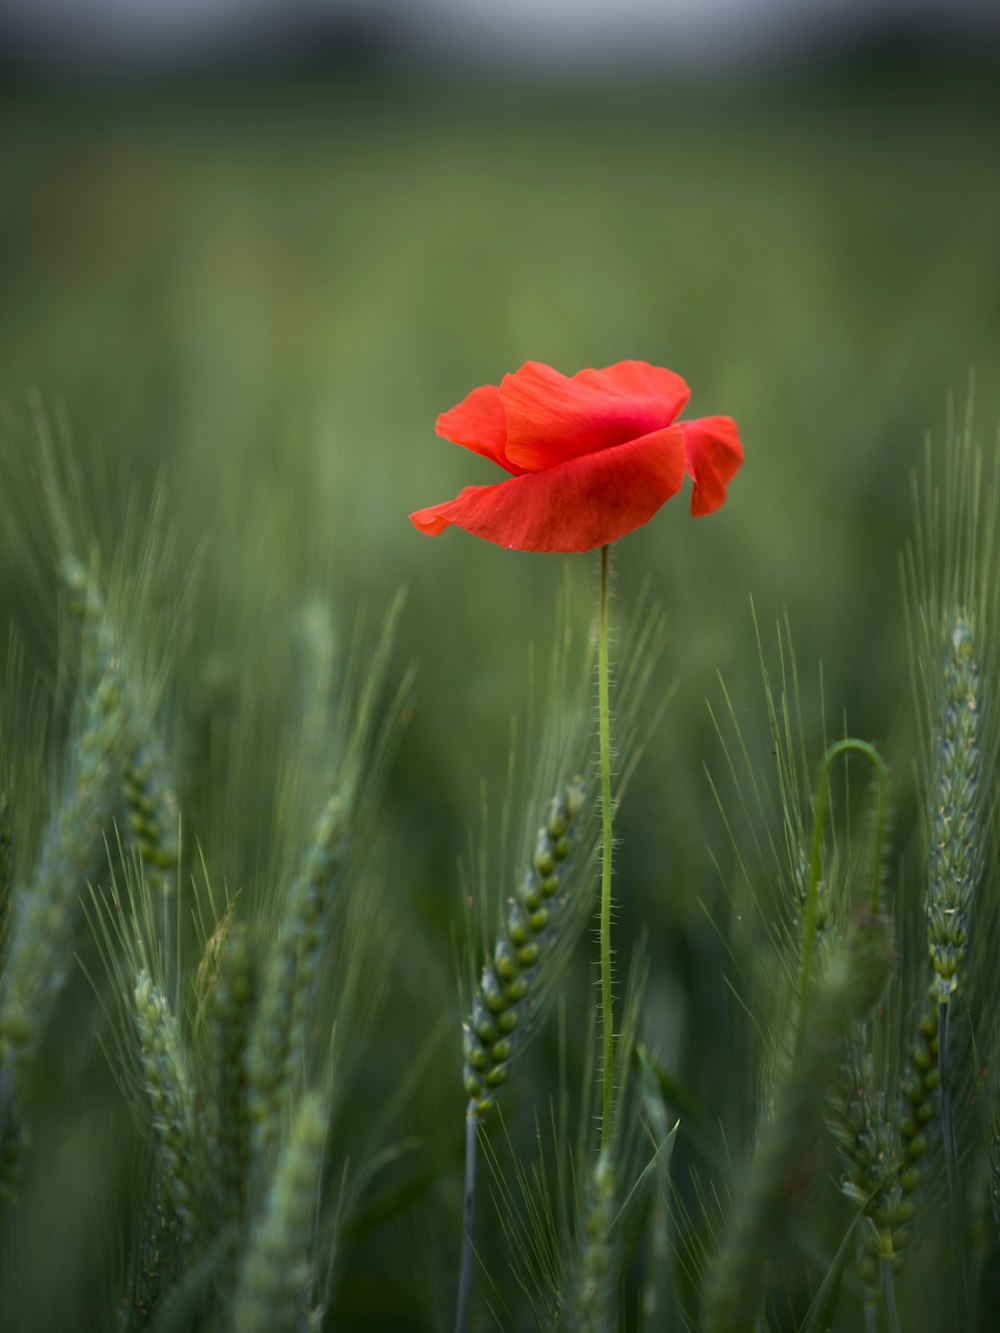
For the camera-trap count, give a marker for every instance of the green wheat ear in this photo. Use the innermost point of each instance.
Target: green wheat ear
(572, 1212)
(276, 1285)
(955, 855)
(152, 1264)
(46, 911)
(147, 787)
(229, 1016)
(170, 1090)
(884, 1140)
(296, 964)
(855, 976)
(536, 932)
(595, 1272)
(952, 605)
(526, 952)
(276, 1043)
(619, 1179)
(536, 929)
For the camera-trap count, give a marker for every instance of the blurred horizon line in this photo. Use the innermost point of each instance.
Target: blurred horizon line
(342, 39)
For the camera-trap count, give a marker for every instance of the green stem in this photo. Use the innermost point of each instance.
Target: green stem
(809, 923)
(607, 814)
(468, 1219)
(889, 1295)
(955, 1210)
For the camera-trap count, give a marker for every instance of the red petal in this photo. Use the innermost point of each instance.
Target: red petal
(552, 418)
(478, 423)
(429, 520)
(642, 380)
(713, 455)
(577, 506)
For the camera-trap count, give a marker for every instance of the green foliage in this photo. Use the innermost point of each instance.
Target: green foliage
(241, 1096)
(240, 976)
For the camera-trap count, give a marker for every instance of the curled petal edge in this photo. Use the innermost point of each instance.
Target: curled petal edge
(479, 423)
(713, 454)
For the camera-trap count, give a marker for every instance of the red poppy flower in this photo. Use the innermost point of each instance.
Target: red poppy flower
(591, 457)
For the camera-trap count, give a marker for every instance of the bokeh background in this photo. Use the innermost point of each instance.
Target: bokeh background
(257, 249)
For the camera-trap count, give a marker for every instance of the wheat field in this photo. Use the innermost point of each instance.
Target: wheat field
(300, 845)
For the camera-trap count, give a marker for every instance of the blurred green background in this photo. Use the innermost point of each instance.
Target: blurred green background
(280, 286)
(268, 290)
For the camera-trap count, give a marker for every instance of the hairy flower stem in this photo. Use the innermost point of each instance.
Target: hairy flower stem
(607, 814)
(468, 1218)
